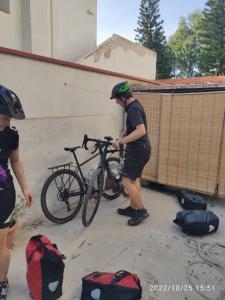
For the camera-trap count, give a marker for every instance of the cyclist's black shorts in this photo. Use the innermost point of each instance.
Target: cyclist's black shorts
(135, 160)
(7, 204)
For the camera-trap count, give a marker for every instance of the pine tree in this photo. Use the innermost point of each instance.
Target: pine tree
(150, 34)
(212, 52)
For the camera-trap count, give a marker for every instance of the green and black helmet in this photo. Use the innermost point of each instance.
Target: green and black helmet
(120, 89)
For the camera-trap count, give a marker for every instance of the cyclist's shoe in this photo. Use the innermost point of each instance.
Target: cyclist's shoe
(4, 286)
(128, 211)
(141, 214)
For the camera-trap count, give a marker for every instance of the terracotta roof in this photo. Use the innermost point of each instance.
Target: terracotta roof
(207, 80)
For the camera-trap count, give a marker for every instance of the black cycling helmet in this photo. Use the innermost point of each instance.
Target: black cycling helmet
(120, 89)
(10, 104)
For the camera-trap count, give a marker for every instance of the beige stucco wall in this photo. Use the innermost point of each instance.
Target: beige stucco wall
(12, 22)
(74, 28)
(61, 105)
(54, 28)
(121, 55)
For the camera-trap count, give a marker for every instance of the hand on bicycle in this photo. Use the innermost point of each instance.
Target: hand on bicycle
(117, 143)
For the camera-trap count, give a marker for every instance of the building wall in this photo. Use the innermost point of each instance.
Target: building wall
(121, 55)
(61, 103)
(11, 21)
(60, 29)
(74, 28)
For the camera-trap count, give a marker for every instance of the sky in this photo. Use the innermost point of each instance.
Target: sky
(121, 16)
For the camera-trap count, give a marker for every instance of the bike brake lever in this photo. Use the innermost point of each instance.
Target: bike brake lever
(121, 150)
(85, 140)
(95, 148)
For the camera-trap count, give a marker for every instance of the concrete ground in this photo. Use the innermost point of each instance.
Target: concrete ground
(156, 250)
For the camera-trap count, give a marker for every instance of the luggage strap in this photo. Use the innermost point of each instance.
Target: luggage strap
(42, 246)
(119, 276)
(122, 274)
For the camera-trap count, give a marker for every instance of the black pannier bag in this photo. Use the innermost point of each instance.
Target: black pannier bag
(197, 222)
(191, 201)
(121, 285)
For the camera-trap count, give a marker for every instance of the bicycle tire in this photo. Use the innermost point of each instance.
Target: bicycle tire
(113, 193)
(59, 175)
(96, 181)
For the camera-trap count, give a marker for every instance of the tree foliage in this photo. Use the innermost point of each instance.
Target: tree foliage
(212, 38)
(185, 45)
(198, 45)
(150, 34)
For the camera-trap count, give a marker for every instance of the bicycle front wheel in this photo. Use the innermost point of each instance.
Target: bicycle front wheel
(92, 199)
(62, 196)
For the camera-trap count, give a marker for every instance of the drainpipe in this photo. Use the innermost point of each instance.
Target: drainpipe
(51, 28)
(219, 161)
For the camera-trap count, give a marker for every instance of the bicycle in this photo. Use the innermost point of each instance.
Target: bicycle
(68, 185)
(95, 188)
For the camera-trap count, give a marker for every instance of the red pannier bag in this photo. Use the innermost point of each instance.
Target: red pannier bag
(45, 268)
(121, 285)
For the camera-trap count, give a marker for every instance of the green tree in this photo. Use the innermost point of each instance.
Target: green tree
(185, 45)
(212, 52)
(150, 34)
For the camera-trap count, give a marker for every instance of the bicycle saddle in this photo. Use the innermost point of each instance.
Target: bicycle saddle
(72, 149)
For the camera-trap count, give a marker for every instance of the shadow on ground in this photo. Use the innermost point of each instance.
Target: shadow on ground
(156, 250)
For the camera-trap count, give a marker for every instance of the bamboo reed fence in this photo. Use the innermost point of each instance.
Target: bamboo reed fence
(187, 134)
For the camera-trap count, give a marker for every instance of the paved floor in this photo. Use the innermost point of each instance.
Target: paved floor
(155, 250)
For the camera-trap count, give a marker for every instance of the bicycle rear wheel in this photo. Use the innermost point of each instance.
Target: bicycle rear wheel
(62, 196)
(92, 199)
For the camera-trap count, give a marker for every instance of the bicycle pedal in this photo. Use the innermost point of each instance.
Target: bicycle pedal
(125, 193)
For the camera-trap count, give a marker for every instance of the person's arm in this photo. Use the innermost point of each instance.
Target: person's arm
(18, 170)
(133, 136)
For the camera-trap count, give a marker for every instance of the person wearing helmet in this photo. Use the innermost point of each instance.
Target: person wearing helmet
(10, 107)
(138, 151)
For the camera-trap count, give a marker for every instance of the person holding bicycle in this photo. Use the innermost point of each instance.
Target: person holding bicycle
(138, 151)
(10, 107)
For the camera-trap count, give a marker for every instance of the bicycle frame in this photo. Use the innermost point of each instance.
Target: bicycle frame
(103, 145)
(102, 162)
(79, 165)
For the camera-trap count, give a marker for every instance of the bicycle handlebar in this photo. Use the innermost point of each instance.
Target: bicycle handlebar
(105, 142)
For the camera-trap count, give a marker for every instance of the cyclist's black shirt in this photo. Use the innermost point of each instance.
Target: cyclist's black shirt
(9, 141)
(136, 116)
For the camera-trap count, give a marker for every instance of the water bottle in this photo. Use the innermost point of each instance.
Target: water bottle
(86, 181)
(120, 168)
(88, 177)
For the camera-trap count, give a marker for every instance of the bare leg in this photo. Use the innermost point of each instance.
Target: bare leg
(134, 190)
(10, 239)
(4, 255)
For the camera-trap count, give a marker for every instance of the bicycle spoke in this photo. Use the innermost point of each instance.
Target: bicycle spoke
(62, 196)
(93, 197)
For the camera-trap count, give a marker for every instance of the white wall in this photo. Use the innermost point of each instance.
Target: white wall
(12, 38)
(61, 104)
(61, 29)
(123, 56)
(74, 28)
